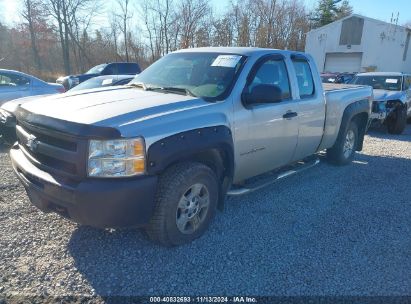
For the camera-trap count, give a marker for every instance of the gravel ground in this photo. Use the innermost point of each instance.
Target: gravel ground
(329, 231)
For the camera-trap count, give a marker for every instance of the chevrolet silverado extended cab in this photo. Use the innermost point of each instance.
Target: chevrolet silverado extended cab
(163, 152)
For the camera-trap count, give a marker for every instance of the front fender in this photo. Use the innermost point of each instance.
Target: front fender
(179, 147)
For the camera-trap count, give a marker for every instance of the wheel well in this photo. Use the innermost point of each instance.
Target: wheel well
(361, 119)
(395, 103)
(220, 162)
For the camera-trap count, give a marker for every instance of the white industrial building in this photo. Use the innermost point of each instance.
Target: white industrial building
(360, 44)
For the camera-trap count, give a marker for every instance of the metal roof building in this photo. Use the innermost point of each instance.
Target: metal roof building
(360, 44)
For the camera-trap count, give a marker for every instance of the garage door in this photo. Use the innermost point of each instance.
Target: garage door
(343, 62)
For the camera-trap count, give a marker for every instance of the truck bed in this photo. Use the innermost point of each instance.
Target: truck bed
(337, 98)
(327, 87)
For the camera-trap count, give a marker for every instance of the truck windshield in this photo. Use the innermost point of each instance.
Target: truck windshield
(207, 75)
(390, 83)
(97, 69)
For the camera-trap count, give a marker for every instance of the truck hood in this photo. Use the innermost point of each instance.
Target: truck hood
(384, 95)
(111, 106)
(12, 105)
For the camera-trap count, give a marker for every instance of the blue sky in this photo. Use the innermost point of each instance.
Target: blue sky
(378, 9)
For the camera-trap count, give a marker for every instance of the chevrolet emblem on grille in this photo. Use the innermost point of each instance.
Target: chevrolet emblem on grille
(32, 143)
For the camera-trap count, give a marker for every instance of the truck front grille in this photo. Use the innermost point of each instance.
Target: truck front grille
(53, 151)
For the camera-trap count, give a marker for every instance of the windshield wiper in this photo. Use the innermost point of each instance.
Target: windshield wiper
(185, 91)
(138, 85)
(177, 90)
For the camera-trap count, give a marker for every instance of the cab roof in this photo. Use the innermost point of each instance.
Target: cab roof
(244, 51)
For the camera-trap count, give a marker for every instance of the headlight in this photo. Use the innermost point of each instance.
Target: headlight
(116, 158)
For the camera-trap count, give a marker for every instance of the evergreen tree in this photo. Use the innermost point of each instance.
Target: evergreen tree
(344, 10)
(328, 11)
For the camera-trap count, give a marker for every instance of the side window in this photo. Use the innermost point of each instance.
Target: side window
(132, 68)
(128, 68)
(122, 68)
(273, 72)
(4, 80)
(110, 69)
(304, 78)
(13, 80)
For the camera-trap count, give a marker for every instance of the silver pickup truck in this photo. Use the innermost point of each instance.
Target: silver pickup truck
(163, 152)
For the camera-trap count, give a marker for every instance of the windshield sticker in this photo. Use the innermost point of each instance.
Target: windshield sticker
(107, 81)
(388, 80)
(228, 61)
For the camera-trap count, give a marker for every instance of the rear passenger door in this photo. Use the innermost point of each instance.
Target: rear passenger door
(266, 132)
(311, 106)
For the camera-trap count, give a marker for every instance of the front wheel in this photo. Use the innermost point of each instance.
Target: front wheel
(186, 202)
(398, 121)
(344, 149)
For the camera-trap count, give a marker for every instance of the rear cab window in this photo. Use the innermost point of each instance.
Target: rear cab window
(128, 68)
(304, 75)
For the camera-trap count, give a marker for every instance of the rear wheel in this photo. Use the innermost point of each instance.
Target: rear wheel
(397, 121)
(185, 204)
(344, 149)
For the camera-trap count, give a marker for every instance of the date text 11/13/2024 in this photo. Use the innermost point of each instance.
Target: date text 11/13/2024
(203, 299)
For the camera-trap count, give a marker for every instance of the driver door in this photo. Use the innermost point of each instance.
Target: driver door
(267, 132)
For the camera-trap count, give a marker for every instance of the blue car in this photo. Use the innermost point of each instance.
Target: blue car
(115, 68)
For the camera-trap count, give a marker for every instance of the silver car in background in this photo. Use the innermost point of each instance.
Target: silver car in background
(15, 85)
(392, 98)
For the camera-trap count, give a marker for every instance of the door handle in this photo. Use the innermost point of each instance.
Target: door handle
(290, 115)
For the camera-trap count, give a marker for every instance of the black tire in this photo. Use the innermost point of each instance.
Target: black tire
(173, 185)
(8, 135)
(338, 154)
(397, 121)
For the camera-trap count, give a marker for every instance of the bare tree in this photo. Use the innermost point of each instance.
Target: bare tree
(32, 12)
(114, 32)
(66, 40)
(123, 20)
(192, 14)
(72, 17)
(223, 31)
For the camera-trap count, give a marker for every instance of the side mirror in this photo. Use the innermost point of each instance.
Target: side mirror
(262, 93)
